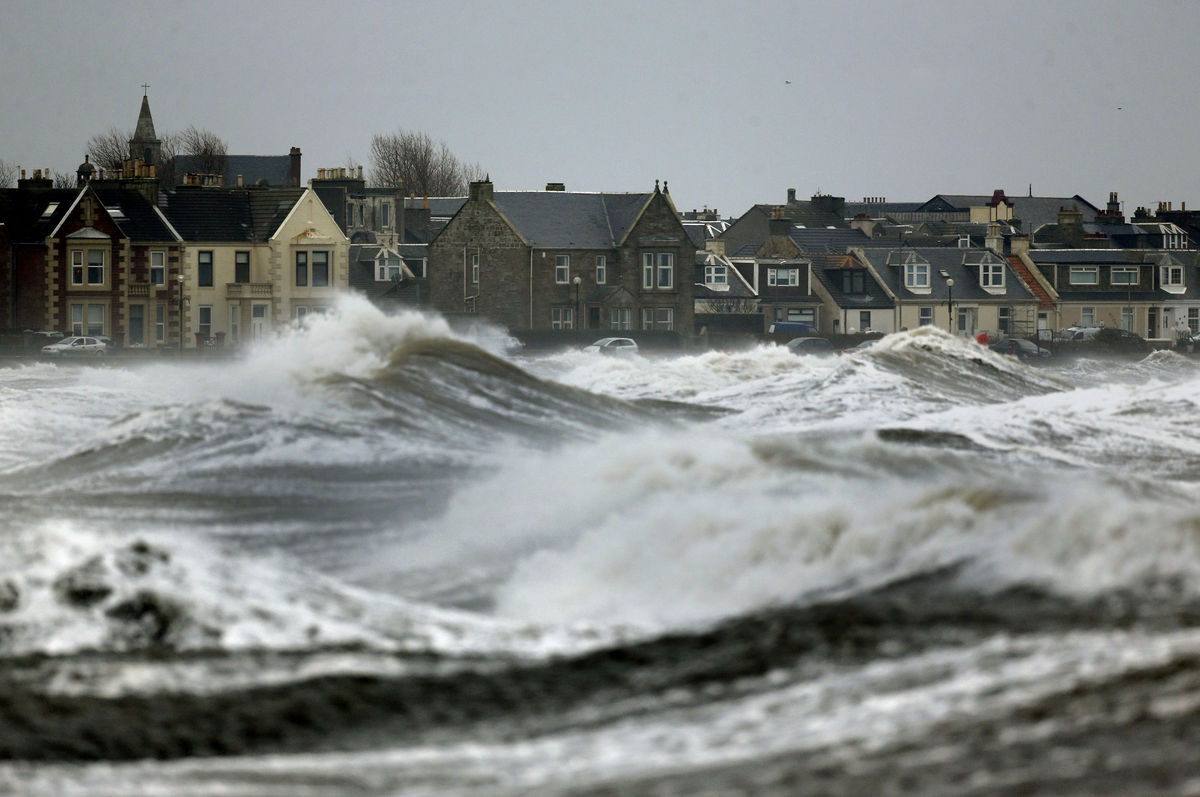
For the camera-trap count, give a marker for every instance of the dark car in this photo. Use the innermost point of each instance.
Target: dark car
(1020, 348)
(1102, 340)
(809, 346)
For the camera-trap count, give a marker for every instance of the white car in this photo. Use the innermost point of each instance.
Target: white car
(78, 344)
(613, 346)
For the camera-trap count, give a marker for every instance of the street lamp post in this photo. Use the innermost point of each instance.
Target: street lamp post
(578, 313)
(179, 278)
(950, 303)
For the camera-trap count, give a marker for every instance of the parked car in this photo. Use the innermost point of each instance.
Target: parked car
(1020, 348)
(791, 328)
(861, 347)
(1101, 340)
(819, 346)
(613, 346)
(76, 345)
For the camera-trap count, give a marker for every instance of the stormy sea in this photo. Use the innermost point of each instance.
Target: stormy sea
(375, 556)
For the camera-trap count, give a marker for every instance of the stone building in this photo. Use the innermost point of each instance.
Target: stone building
(559, 260)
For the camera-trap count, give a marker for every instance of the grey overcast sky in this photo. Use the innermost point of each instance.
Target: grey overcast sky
(732, 102)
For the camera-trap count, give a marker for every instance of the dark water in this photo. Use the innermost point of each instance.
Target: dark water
(373, 558)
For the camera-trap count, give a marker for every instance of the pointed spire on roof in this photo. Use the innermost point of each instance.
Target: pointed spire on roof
(145, 123)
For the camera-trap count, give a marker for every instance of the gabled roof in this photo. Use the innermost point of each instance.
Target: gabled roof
(1033, 211)
(738, 288)
(959, 265)
(804, 213)
(137, 218)
(562, 220)
(29, 216)
(817, 241)
(829, 269)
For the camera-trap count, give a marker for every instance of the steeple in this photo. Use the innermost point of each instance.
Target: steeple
(145, 145)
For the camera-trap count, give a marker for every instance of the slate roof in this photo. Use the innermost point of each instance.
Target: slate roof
(138, 219)
(817, 241)
(208, 214)
(829, 268)
(562, 220)
(738, 289)
(966, 277)
(21, 212)
(1033, 211)
(275, 169)
(877, 210)
(805, 214)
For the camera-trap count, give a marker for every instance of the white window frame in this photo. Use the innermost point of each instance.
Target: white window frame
(474, 268)
(1127, 318)
(77, 267)
(601, 269)
(94, 327)
(925, 316)
(385, 211)
(77, 325)
(991, 275)
(916, 275)
(562, 270)
(161, 256)
(661, 319)
(658, 271)
(1193, 320)
(562, 317)
(103, 266)
(1131, 271)
(716, 275)
(1171, 276)
(203, 326)
(1087, 316)
(313, 261)
(620, 318)
(783, 277)
(160, 323)
(1084, 275)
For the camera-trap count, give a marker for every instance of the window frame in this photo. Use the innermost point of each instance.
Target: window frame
(1133, 271)
(100, 267)
(77, 269)
(791, 278)
(562, 269)
(158, 274)
(916, 275)
(318, 266)
(991, 275)
(716, 275)
(925, 316)
(620, 318)
(204, 320)
(474, 268)
(562, 316)
(301, 269)
(241, 267)
(1091, 272)
(601, 269)
(204, 270)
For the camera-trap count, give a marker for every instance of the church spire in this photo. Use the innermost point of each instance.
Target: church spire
(145, 145)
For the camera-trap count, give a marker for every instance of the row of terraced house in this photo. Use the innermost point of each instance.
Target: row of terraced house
(226, 258)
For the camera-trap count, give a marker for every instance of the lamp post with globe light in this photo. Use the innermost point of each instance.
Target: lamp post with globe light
(950, 303)
(179, 279)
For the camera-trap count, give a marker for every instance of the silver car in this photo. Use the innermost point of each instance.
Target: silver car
(613, 346)
(76, 345)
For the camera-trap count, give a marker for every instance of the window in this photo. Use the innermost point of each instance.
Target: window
(601, 269)
(388, 268)
(1085, 275)
(320, 269)
(349, 214)
(1124, 275)
(658, 270)
(160, 323)
(475, 268)
(241, 267)
(1194, 320)
(301, 313)
(854, 281)
(158, 267)
(562, 317)
(362, 215)
(658, 318)
(235, 320)
(386, 211)
(805, 314)
(716, 275)
(95, 319)
(1172, 276)
(783, 277)
(925, 317)
(204, 321)
(620, 318)
(562, 269)
(991, 275)
(76, 267)
(204, 269)
(95, 269)
(1087, 316)
(916, 275)
(1127, 319)
(77, 319)
(1004, 319)
(302, 268)
(416, 266)
(864, 320)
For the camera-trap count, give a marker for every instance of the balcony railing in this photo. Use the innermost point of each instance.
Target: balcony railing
(238, 290)
(139, 289)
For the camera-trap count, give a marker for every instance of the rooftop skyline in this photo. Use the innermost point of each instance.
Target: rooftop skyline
(900, 100)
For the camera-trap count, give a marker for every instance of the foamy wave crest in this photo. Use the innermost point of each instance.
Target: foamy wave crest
(698, 532)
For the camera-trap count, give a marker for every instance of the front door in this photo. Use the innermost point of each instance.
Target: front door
(593, 318)
(258, 321)
(1152, 322)
(966, 321)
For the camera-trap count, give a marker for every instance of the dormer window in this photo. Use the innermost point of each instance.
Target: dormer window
(916, 275)
(1085, 275)
(991, 275)
(1171, 278)
(716, 275)
(1125, 275)
(854, 281)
